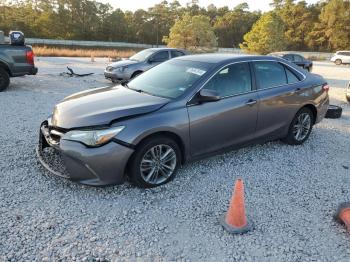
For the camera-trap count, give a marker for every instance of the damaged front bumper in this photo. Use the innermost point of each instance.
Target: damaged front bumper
(100, 166)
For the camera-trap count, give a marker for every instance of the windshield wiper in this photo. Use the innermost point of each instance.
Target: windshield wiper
(125, 84)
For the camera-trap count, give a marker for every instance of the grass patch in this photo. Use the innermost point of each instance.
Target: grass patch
(82, 52)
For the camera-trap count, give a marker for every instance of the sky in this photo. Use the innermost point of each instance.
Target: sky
(133, 5)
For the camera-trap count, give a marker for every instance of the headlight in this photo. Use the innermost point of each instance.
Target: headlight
(93, 138)
(122, 69)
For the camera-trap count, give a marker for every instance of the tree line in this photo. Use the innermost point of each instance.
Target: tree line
(291, 25)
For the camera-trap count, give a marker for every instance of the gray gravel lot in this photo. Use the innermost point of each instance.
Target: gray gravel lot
(291, 192)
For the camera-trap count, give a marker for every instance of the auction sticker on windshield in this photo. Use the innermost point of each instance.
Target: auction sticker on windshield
(195, 71)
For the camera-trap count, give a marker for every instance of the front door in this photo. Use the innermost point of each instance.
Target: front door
(229, 121)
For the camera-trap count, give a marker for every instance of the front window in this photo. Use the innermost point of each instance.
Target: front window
(288, 57)
(142, 56)
(160, 57)
(170, 79)
(232, 80)
(298, 58)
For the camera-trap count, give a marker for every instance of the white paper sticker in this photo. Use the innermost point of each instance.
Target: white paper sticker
(195, 71)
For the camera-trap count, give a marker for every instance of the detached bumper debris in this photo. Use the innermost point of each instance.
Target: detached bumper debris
(334, 112)
(72, 74)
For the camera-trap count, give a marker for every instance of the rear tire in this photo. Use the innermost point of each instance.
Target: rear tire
(155, 162)
(338, 62)
(300, 128)
(4, 79)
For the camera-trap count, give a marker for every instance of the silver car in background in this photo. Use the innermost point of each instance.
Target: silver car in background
(142, 61)
(341, 57)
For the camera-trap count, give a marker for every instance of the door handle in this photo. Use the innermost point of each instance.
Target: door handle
(251, 102)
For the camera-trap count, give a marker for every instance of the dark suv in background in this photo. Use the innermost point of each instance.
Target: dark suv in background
(296, 59)
(140, 62)
(16, 59)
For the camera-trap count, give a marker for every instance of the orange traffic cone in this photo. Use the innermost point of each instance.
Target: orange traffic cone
(235, 220)
(343, 215)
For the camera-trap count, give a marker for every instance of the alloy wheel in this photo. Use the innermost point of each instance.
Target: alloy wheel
(302, 127)
(158, 164)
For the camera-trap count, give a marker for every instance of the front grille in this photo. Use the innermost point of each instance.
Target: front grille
(52, 135)
(56, 135)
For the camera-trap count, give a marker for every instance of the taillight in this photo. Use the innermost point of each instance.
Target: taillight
(326, 87)
(30, 57)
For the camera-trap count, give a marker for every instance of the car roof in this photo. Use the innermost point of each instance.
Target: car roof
(164, 49)
(224, 58)
(284, 53)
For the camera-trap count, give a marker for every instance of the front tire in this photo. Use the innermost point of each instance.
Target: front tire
(136, 74)
(338, 62)
(155, 162)
(300, 128)
(4, 79)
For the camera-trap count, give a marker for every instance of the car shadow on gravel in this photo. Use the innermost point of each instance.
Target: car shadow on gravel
(192, 173)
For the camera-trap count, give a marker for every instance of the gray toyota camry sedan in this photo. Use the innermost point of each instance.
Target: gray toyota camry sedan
(184, 109)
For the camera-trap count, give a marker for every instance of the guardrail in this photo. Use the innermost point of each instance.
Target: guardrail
(37, 41)
(58, 42)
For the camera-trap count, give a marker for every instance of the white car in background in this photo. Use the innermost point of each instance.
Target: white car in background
(341, 57)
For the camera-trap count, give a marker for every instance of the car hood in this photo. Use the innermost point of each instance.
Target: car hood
(123, 63)
(102, 106)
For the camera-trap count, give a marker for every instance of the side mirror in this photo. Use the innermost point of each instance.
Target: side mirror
(206, 95)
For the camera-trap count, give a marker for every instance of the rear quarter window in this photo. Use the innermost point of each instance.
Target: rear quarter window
(291, 76)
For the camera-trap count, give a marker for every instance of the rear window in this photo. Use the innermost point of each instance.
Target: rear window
(269, 74)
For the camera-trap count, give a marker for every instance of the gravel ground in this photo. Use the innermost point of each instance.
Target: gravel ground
(291, 192)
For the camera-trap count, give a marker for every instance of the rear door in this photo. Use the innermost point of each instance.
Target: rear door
(229, 121)
(278, 90)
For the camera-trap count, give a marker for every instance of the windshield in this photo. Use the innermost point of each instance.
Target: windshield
(142, 56)
(170, 79)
